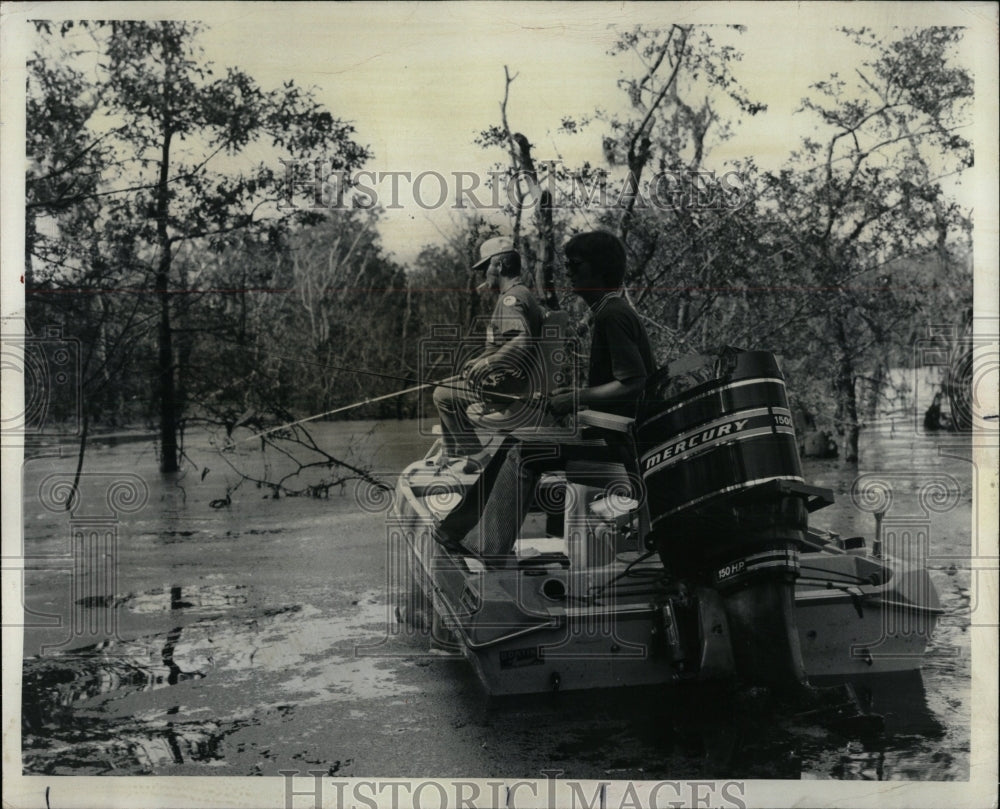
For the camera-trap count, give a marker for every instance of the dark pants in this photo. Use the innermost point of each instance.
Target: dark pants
(500, 499)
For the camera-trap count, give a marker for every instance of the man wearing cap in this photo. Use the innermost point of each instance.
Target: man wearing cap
(509, 362)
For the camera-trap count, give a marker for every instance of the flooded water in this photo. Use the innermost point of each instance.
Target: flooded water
(172, 633)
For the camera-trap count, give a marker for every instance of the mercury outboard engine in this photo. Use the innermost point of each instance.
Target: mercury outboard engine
(727, 503)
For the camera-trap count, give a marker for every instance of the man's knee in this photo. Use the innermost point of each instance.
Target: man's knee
(444, 398)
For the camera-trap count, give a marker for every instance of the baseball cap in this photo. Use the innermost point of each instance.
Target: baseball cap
(493, 247)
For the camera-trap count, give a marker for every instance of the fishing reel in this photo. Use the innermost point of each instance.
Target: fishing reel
(497, 385)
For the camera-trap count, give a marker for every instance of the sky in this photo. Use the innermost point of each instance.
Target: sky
(419, 81)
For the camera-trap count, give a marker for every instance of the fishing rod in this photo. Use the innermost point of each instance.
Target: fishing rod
(342, 409)
(443, 383)
(420, 383)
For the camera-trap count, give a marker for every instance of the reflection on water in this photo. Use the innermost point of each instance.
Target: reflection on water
(59, 736)
(54, 686)
(79, 708)
(712, 732)
(194, 600)
(140, 706)
(912, 731)
(96, 747)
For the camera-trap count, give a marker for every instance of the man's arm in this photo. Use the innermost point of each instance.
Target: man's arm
(627, 368)
(517, 342)
(565, 400)
(613, 391)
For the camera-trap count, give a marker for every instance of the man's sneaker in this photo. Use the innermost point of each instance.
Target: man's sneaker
(475, 464)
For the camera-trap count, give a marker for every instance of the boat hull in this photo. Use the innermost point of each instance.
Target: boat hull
(865, 629)
(527, 628)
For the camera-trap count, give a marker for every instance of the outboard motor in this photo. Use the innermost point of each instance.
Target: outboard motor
(727, 502)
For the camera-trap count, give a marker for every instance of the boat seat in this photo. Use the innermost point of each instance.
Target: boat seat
(613, 428)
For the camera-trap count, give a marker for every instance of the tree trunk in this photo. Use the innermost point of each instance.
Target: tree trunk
(165, 353)
(959, 379)
(181, 377)
(638, 155)
(878, 384)
(544, 259)
(165, 372)
(472, 298)
(847, 401)
(545, 277)
(74, 497)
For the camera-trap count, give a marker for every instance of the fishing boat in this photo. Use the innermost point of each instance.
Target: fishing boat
(694, 562)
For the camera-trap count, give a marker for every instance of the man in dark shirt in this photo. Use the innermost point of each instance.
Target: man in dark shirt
(621, 358)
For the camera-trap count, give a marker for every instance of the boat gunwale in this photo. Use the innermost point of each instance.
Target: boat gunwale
(806, 596)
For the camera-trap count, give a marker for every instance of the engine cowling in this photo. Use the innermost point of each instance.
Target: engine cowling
(720, 464)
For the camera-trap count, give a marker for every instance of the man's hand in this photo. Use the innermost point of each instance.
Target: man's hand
(562, 401)
(477, 369)
(473, 367)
